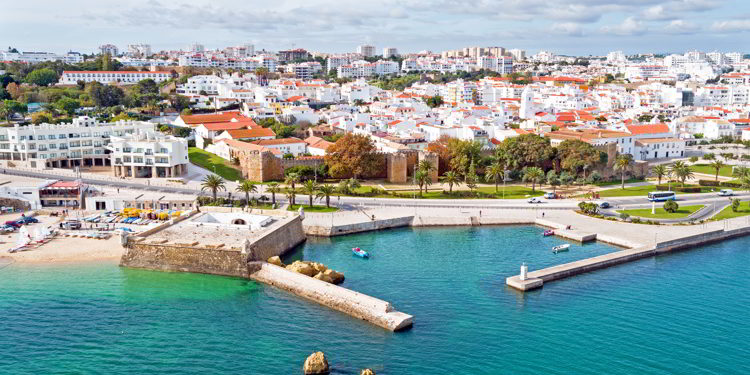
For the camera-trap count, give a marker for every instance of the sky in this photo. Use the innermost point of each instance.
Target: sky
(568, 27)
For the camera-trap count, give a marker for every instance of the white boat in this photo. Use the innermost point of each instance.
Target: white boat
(559, 248)
(22, 241)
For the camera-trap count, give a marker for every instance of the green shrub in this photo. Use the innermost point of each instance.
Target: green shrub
(735, 204)
(708, 183)
(671, 206)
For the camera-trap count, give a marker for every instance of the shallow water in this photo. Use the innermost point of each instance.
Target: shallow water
(680, 313)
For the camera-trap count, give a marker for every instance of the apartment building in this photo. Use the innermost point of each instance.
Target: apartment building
(366, 50)
(80, 143)
(109, 49)
(37, 57)
(389, 52)
(106, 77)
(362, 68)
(293, 54)
(147, 153)
(304, 70)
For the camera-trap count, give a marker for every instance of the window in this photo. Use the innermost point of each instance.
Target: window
(41, 137)
(52, 136)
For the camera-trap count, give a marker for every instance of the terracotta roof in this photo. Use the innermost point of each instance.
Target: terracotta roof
(648, 129)
(219, 126)
(256, 132)
(280, 141)
(317, 142)
(215, 117)
(247, 146)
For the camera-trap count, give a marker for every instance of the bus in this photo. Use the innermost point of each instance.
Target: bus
(661, 196)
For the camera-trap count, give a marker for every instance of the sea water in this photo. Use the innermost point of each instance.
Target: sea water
(683, 313)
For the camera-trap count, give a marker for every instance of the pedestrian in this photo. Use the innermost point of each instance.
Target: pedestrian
(118, 190)
(542, 214)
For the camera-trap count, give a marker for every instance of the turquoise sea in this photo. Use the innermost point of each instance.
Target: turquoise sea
(684, 313)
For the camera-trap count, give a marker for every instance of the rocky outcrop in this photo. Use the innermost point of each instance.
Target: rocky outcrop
(275, 260)
(314, 269)
(367, 371)
(302, 267)
(316, 363)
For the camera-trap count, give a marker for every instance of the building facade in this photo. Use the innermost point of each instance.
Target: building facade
(106, 77)
(147, 154)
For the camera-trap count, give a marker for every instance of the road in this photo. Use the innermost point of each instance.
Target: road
(618, 203)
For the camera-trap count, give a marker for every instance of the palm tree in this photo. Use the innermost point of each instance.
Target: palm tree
(325, 191)
(213, 183)
(423, 180)
(743, 174)
(660, 171)
(273, 188)
(553, 180)
(682, 171)
(425, 165)
(291, 194)
(291, 180)
(717, 165)
(451, 178)
(495, 172)
(622, 163)
(533, 174)
(309, 188)
(247, 187)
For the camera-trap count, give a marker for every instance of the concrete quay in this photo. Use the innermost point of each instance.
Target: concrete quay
(536, 279)
(356, 304)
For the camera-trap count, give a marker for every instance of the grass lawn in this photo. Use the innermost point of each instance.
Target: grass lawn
(726, 171)
(644, 190)
(487, 192)
(212, 162)
(682, 212)
(618, 182)
(313, 208)
(727, 212)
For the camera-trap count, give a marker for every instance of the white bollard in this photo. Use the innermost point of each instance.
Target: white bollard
(524, 271)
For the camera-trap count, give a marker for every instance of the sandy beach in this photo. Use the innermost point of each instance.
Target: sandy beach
(60, 249)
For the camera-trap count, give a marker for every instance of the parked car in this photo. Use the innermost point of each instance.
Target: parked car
(604, 205)
(534, 200)
(12, 223)
(726, 192)
(550, 195)
(70, 224)
(7, 228)
(27, 220)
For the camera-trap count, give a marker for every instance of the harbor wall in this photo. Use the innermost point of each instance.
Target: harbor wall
(536, 279)
(279, 241)
(358, 305)
(357, 227)
(185, 258)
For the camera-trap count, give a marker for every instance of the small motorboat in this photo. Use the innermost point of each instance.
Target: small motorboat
(360, 253)
(549, 232)
(560, 248)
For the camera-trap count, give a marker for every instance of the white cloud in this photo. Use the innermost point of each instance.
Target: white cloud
(681, 27)
(672, 10)
(732, 26)
(568, 28)
(629, 26)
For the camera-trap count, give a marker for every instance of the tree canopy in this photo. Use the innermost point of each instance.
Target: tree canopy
(526, 150)
(353, 155)
(42, 77)
(574, 154)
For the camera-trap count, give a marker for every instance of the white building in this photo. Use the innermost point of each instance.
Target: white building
(139, 50)
(366, 50)
(37, 57)
(304, 70)
(389, 52)
(659, 148)
(110, 49)
(517, 54)
(616, 57)
(148, 154)
(106, 77)
(80, 143)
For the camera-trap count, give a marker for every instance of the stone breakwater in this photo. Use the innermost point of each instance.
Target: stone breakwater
(358, 305)
(536, 279)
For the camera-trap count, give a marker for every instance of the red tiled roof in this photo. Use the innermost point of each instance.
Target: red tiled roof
(648, 129)
(255, 132)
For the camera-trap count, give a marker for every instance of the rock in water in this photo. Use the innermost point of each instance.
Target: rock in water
(367, 371)
(319, 267)
(302, 267)
(275, 260)
(316, 363)
(336, 277)
(323, 277)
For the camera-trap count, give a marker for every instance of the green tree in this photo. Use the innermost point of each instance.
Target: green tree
(575, 154)
(622, 164)
(105, 96)
(451, 178)
(273, 188)
(553, 180)
(42, 77)
(434, 101)
(247, 187)
(735, 205)
(526, 150)
(10, 107)
(291, 196)
(681, 171)
(310, 187)
(291, 180)
(717, 165)
(68, 105)
(495, 173)
(743, 174)
(325, 192)
(660, 171)
(533, 175)
(213, 183)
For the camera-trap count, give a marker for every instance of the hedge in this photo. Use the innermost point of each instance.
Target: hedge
(731, 184)
(680, 189)
(709, 183)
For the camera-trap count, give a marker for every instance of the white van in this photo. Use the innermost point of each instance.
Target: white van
(726, 192)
